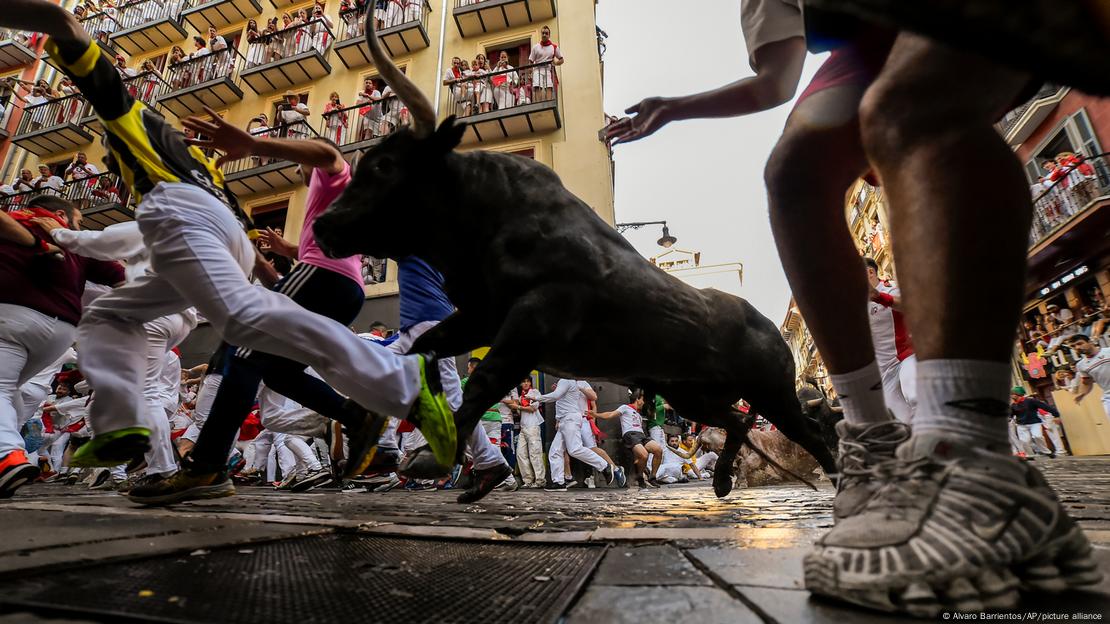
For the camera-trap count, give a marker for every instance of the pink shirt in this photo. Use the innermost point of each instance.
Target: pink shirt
(322, 191)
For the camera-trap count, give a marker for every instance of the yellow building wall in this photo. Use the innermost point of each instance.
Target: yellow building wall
(573, 151)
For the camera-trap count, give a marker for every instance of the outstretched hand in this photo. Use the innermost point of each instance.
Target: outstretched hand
(651, 114)
(235, 143)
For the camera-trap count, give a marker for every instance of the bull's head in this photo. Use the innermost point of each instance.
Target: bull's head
(398, 183)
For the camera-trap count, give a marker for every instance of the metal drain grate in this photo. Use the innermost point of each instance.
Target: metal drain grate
(326, 578)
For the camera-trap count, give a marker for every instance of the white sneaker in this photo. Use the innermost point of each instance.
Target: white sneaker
(951, 528)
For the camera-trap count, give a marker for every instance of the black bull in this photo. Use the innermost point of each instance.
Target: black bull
(548, 285)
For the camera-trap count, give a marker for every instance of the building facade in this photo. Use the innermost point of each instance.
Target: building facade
(313, 77)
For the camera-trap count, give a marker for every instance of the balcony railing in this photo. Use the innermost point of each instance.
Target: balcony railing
(148, 25)
(18, 200)
(256, 174)
(103, 200)
(475, 17)
(16, 49)
(1082, 186)
(360, 126)
(100, 25)
(401, 31)
(210, 80)
(507, 103)
(144, 87)
(201, 14)
(288, 57)
(52, 126)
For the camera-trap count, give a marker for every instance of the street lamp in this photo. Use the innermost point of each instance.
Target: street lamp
(666, 241)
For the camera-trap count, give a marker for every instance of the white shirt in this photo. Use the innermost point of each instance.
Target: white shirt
(768, 21)
(80, 172)
(295, 114)
(1096, 368)
(119, 241)
(630, 419)
(506, 411)
(52, 182)
(127, 72)
(888, 328)
(567, 396)
(527, 418)
(217, 43)
(541, 53)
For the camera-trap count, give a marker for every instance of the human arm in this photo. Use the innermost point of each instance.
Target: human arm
(194, 373)
(1046, 407)
(263, 270)
(120, 240)
(778, 69)
(559, 392)
(278, 244)
(683, 454)
(236, 143)
(587, 390)
(892, 299)
(1086, 384)
(603, 415)
(12, 232)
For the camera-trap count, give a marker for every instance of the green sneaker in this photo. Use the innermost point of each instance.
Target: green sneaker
(182, 485)
(113, 448)
(432, 416)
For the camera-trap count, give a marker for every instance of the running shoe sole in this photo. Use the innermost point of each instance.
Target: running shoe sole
(422, 463)
(16, 478)
(310, 481)
(112, 449)
(201, 492)
(362, 443)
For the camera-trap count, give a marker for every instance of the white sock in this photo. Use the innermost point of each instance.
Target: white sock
(861, 395)
(964, 399)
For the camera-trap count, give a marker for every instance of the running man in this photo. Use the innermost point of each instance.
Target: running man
(893, 349)
(200, 256)
(569, 420)
(634, 438)
(1093, 369)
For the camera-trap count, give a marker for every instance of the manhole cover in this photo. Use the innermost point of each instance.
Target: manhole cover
(326, 578)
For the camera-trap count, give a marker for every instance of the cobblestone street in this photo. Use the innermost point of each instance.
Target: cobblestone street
(660, 552)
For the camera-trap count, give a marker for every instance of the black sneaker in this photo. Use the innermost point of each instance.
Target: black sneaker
(313, 480)
(609, 474)
(422, 464)
(555, 487)
(183, 485)
(362, 440)
(483, 481)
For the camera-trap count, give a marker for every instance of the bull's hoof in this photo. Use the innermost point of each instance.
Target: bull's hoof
(422, 464)
(722, 483)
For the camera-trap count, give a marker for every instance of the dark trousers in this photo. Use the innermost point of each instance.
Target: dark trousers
(508, 444)
(318, 290)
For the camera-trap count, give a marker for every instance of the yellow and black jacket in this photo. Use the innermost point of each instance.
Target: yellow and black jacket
(147, 149)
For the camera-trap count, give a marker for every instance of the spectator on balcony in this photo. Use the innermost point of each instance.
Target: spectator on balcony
(149, 82)
(255, 47)
(293, 116)
(262, 129)
(106, 191)
(320, 28)
(23, 184)
(124, 71)
(544, 80)
(394, 12)
(483, 89)
(47, 182)
(80, 168)
(414, 11)
(452, 79)
(216, 42)
(351, 14)
(391, 107)
(335, 120)
(1080, 174)
(370, 109)
(505, 82)
(301, 37)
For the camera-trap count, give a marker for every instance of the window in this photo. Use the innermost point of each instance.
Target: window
(528, 152)
(518, 52)
(271, 215)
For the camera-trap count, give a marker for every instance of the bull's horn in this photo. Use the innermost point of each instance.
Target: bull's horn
(420, 107)
(814, 402)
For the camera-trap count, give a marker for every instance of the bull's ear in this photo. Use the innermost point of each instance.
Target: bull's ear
(449, 134)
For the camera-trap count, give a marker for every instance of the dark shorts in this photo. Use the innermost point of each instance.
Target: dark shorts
(633, 438)
(854, 64)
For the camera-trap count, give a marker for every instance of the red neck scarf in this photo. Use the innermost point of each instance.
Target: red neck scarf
(547, 43)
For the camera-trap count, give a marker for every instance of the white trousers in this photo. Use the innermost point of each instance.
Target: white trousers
(29, 342)
(35, 391)
(529, 455)
(1032, 440)
(1053, 431)
(201, 257)
(656, 433)
(708, 460)
(205, 397)
(669, 473)
(482, 452)
(570, 428)
(900, 389)
(305, 457)
(162, 335)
